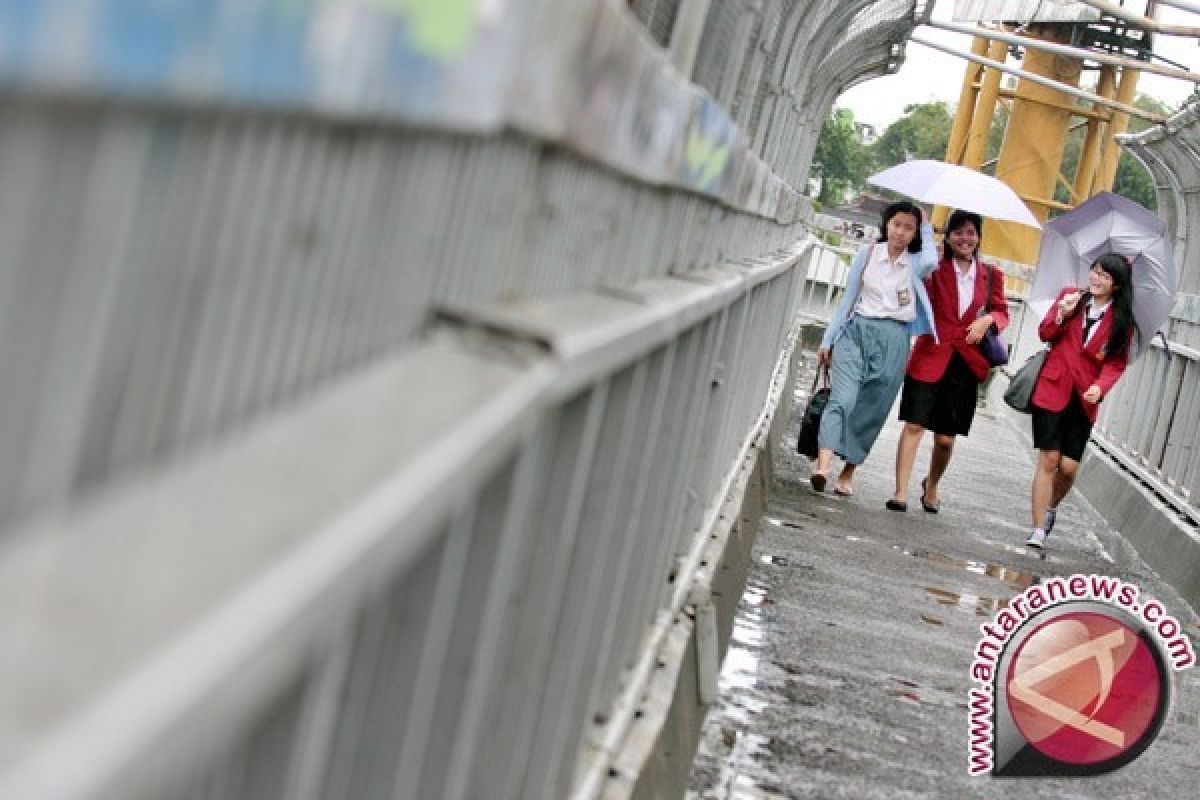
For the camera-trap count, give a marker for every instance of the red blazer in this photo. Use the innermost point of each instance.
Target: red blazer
(930, 356)
(1070, 365)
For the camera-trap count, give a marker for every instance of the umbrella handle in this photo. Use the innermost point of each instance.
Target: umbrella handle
(1166, 343)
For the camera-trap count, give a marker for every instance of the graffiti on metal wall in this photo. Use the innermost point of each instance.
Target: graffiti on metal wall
(421, 59)
(710, 149)
(599, 83)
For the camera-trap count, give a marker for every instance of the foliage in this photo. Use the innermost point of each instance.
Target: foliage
(1132, 180)
(840, 160)
(922, 132)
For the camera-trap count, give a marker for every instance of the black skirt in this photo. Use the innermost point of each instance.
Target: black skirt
(1066, 431)
(946, 406)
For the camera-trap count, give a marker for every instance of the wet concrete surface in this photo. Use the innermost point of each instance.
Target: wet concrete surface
(847, 675)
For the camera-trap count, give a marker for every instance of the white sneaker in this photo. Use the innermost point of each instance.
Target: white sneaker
(1048, 520)
(1037, 540)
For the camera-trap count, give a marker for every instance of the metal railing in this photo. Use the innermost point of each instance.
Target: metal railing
(382, 387)
(1151, 422)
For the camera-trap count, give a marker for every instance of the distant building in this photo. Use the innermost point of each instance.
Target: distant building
(867, 133)
(857, 220)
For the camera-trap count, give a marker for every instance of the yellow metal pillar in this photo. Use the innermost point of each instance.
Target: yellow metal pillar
(1112, 151)
(1031, 159)
(1089, 156)
(963, 115)
(985, 110)
(966, 104)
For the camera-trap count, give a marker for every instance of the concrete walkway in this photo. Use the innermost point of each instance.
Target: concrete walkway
(848, 672)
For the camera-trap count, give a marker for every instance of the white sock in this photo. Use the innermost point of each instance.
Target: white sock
(1037, 531)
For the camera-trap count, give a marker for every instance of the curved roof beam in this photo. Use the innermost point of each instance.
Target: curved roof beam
(1044, 81)
(1145, 22)
(1066, 50)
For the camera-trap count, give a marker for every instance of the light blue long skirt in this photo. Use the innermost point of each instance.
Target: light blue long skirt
(865, 377)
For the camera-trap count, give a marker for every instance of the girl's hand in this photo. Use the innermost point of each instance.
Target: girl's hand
(1092, 395)
(977, 329)
(1068, 303)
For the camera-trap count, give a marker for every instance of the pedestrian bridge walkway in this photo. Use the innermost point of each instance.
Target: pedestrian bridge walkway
(849, 666)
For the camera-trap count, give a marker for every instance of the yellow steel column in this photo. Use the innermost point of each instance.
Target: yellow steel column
(1112, 151)
(985, 110)
(966, 104)
(1031, 158)
(963, 115)
(1089, 156)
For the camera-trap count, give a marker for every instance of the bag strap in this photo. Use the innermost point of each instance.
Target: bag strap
(822, 372)
(987, 301)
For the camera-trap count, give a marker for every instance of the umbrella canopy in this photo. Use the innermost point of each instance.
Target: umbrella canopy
(1109, 223)
(956, 187)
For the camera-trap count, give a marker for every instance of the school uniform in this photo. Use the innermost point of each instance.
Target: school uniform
(944, 372)
(884, 305)
(1078, 359)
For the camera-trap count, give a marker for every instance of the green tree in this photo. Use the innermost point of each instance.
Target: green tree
(996, 133)
(922, 132)
(840, 160)
(1132, 180)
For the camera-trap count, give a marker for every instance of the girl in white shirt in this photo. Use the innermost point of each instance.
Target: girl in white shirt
(867, 342)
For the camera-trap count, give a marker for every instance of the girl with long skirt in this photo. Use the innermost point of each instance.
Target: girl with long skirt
(867, 341)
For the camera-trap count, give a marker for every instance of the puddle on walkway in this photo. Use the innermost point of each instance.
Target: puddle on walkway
(784, 561)
(733, 759)
(1018, 579)
(981, 606)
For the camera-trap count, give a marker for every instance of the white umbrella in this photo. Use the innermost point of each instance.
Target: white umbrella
(1109, 223)
(956, 187)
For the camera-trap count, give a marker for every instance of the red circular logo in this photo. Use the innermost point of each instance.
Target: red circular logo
(1084, 688)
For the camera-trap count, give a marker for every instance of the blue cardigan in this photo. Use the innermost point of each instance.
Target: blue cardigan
(923, 264)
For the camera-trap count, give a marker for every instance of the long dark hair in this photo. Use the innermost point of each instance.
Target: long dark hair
(902, 207)
(1121, 272)
(960, 219)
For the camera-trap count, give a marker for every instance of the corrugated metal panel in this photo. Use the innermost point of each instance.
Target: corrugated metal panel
(1023, 11)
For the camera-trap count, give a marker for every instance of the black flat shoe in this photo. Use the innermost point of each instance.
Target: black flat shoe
(895, 505)
(817, 480)
(929, 507)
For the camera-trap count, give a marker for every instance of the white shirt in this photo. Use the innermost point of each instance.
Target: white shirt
(966, 286)
(887, 290)
(1094, 313)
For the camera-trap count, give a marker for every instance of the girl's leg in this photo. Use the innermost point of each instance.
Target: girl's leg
(1064, 479)
(906, 454)
(939, 460)
(1043, 484)
(845, 481)
(824, 458)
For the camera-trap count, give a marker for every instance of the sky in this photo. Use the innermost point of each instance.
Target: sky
(929, 75)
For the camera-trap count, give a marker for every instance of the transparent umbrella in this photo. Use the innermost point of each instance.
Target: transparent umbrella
(956, 187)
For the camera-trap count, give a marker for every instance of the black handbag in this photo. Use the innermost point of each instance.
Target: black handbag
(806, 441)
(1019, 393)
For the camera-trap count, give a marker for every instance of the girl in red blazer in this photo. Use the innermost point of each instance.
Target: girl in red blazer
(942, 381)
(1089, 335)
